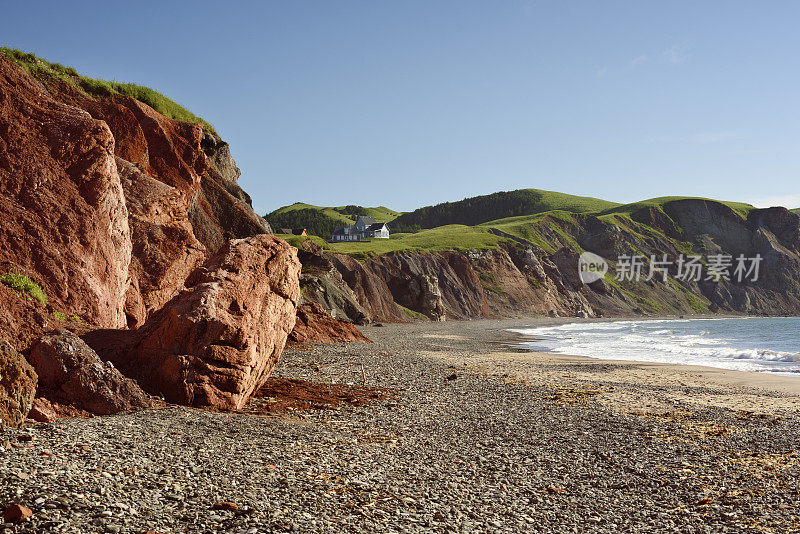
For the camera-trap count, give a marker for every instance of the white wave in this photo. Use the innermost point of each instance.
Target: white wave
(749, 346)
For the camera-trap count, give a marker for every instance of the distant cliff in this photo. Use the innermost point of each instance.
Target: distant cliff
(539, 274)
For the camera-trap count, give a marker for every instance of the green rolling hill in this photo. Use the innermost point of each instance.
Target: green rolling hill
(549, 213)
(504, 204)
(658, 203)
(322, 220)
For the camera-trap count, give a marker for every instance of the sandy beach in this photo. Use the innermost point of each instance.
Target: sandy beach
(473, 436)
(619, 384)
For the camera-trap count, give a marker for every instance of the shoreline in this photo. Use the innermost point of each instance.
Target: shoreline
(623, 384)
(475, 437)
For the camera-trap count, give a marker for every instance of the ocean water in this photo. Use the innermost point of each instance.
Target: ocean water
(751, 344)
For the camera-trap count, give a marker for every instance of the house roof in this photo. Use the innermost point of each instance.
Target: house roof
(376, 226)
(285, 231)
(368, 221)
(339, 230)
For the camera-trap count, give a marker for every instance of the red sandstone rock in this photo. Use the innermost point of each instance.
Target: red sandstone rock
(315, 325)
(64, 217)
(17, 386)
(16, 513)
(180, 185)
(217, 341)
(71, 373)
(160, 161)
(165, 250)
(46, 411)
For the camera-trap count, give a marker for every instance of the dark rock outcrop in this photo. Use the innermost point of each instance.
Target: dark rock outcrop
(217, 341)
(222, 210)
(71, 373)
(369, 288)
(436, 284)
(17, 386)
(321, 282)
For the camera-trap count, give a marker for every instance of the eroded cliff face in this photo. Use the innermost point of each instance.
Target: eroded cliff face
(178, 184)
(521, 278)
(221, 209)
(438, 285)
(63, 211)
(129, 219)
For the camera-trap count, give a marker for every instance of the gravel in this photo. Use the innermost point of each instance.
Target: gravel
(463, 453)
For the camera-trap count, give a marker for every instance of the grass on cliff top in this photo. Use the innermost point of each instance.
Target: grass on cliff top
(345, 214)
(544, 229)
(450, 237)
(26, 286)
(297, 240)
(47, 72)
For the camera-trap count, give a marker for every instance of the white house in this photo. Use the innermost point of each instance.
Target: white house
(364, 228)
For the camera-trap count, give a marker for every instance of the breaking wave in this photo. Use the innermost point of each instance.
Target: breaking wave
(751, 344)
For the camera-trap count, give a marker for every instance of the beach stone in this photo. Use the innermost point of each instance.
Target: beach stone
(16, 513)
(226, 505)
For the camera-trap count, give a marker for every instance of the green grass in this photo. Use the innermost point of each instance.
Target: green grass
(740, 208)
(451, 237)
(503, 204)
(416, 316)
(297, 240)
(796, 210)
(555, 201)
(340, 213)
(47, 73)
(26, 286)
(532, 228)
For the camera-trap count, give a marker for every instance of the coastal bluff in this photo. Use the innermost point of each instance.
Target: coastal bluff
(119, 220)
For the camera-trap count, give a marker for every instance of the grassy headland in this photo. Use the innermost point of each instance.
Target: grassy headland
(47, 73)
(659, 202)
(550, 227)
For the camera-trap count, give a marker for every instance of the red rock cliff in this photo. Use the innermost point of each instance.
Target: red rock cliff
(63, 212)
(127, 218)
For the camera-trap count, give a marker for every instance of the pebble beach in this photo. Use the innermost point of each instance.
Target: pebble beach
(470, 435)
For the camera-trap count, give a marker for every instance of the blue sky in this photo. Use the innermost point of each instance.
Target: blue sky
(410, 103)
